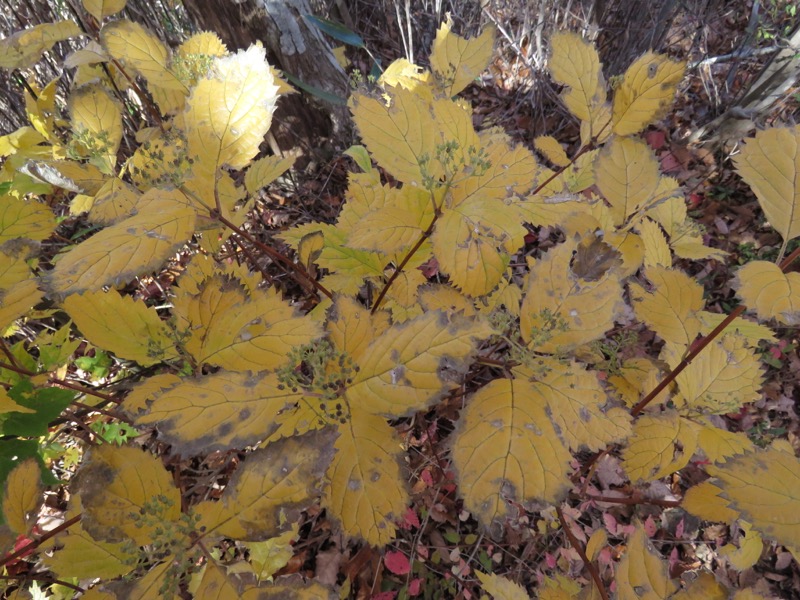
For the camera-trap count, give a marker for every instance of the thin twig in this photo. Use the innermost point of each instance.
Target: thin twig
(582, 553)
(33, 544)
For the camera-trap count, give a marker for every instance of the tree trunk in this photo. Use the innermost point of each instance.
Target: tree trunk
(294, 46)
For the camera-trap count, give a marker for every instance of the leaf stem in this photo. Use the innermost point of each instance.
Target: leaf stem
(582, 553)
(38, 542)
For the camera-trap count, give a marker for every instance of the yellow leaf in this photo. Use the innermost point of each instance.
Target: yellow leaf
(512, 170)
(128, 328)
(596, 543)
(405, 74)
(506, 449)
(115, 201)
(80, 555)
(366, 491)
(215, 412)
(501, 588)
(402, 298)
(726, 375)
(507, 296)
(765, 488)
(399, 135)
(626, 173)
(229, 113)
(204, 43)
(770, 164)
(660, 445)
(473, 243)
(162, 160)
(718, 444)
(561, 588)
(147, 587)
(96, 125)
(266, 170)
(748, 552)
(24, 219)
(439, 296)
(576, 404)
(115, 483)
(272, 555)
(642, 574)
(129, 248)
(396, 226)
(8, 404)
(671, 308)
(294, 588)
(238, 331)
(637, 377)
(216, 585)
(270, 489)
(100, 9)
(411, 365)
(352, 328)
(66, 174)
(561, 311)
(646, 92)
(23, 49)
(19, 290)
(749, 330)
(656, 249)
(704, 587)
(136, 47)
(457, 61)
(576, 65)
(552, 150)
(23, 494)
(19, 141)
(705, 501)
(351, 265)
(771, 293)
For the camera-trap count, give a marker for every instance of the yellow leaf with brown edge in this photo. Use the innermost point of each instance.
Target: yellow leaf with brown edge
(367, 492)
(80, 555)
(96, 125)
(294, 587)
(121, 325)
(129, 248)
(552, 150)
(271, 487)
(113, 202)
(626, 173)
(229, 112)
(576, 404)
(215, 412)
(399, 135)
(19, 289)
(770, 164)
(26, 219)
(575, 64)
(100, 9)
(719, 444)
(659, 446)
(723, 377)
(506, 449)
(671, 308)
(770, 292)
(215, 584)
(764, 487)
(559, 310)
(23, 49)
(147, 587)
(501, 588)
(239, 331)
(352, 328)
(135, 46)
(749, 550)
(646, 92)
(115, 484)
(642, 574)
(457, 61)
(266, 170)
(22, 495)
(413, 364)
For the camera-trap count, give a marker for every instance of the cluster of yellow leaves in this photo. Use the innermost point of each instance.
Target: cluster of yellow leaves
(457, 200)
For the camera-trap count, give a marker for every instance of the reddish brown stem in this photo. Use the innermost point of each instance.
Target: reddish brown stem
(582, 553)
(632, 500)
(38, 542)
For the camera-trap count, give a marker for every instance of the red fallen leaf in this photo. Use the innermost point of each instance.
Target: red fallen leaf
(430, 268)
(397, 563)
(694, 200)
(414, 587)
(385, 596)
(410, 519)
(669, 163)
(655, 139)
(650, 526)
(427, 477)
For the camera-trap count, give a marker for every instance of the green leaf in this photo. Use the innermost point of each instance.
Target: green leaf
(46, 402)
(336, 30)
